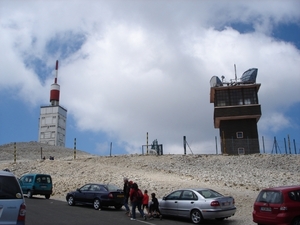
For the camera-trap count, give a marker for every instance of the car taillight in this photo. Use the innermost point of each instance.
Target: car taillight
(110, 195)
(233, 201)
(215, 203)
(22, 212)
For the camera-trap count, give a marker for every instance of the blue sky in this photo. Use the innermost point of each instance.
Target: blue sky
(131, 67)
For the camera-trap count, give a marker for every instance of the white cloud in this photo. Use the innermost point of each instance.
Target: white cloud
(145, 67)
(274, 122)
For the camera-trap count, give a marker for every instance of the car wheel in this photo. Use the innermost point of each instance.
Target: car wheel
(196, 216)
(29, 194)
(97, 204)
(296, 221)
(118, 206)
(47, 196)
(71, 200)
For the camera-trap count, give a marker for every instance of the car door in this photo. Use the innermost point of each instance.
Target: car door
(292, 202)
(26, 183)
(186, 203)
(81, 193)
(168, 205)
(91, 193)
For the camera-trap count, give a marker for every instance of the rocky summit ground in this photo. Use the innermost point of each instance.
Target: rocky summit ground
(240, 176)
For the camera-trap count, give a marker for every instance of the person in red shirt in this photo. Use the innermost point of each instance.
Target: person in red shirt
(136, 198)
(146, 201)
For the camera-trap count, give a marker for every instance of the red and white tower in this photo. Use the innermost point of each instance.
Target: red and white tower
(55, 88)
(52, 122)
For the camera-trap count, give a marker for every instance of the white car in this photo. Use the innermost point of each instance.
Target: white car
(197, 204)
(12, 203)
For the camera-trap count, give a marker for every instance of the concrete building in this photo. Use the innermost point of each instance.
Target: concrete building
(53, 118)
(236, 113)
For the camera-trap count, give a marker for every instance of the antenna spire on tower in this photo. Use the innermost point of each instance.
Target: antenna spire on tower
(235, 73)
(56, 72)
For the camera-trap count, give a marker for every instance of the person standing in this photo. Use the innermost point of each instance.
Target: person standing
(146, 201)
(126, 190)
(136, 198)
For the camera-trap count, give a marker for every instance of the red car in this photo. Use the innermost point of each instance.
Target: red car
(278, 206)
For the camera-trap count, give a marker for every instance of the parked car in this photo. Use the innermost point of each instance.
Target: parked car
(36, 184)
(98, 195)
(12, 203)
(278, 206)
(197, 204)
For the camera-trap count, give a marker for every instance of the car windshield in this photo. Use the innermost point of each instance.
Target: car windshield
(43, 179)
(270, 197)
(207, 193)
(112, 187)
(9, 188)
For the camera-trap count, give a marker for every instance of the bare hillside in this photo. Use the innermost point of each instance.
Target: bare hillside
(240, 176)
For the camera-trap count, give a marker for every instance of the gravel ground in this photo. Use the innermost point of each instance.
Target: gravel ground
(239, 176)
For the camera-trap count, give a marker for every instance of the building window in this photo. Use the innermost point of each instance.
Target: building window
(222, 98)
(47, 135)
(236, 97)
(239, 134)
(241, 151)
(232, 97)
(250, 96)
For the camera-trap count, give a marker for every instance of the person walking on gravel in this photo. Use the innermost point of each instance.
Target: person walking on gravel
(126, 190)
(136, 198)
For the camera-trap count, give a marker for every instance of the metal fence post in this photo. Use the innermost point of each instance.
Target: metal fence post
(263, 140)
(74, 148)
(15, 152)
(232, 144)
(295, 146)
(110, 149)
(216, 140)
(147, 145)
(285, 147)
(184, 144)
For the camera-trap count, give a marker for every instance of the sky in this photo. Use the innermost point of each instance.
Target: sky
(132, 67)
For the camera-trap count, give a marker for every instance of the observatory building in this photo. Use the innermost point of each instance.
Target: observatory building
(52, 122)
(236, 113)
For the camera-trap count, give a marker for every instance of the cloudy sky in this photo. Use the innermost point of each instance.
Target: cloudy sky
(128, 67)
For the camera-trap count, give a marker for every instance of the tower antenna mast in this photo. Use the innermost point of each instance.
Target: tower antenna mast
(56, 72)
(235, 73)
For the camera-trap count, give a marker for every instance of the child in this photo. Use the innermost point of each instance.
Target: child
(154, 207)
(146, 201)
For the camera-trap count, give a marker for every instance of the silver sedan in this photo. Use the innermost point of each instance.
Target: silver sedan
(197, 204)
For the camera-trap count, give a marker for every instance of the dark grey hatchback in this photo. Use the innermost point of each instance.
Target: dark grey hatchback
(98, 195)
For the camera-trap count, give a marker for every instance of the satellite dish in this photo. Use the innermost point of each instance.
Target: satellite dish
(215, 82)
(249, 76)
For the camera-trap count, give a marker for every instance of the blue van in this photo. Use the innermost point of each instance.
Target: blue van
(36, 184)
